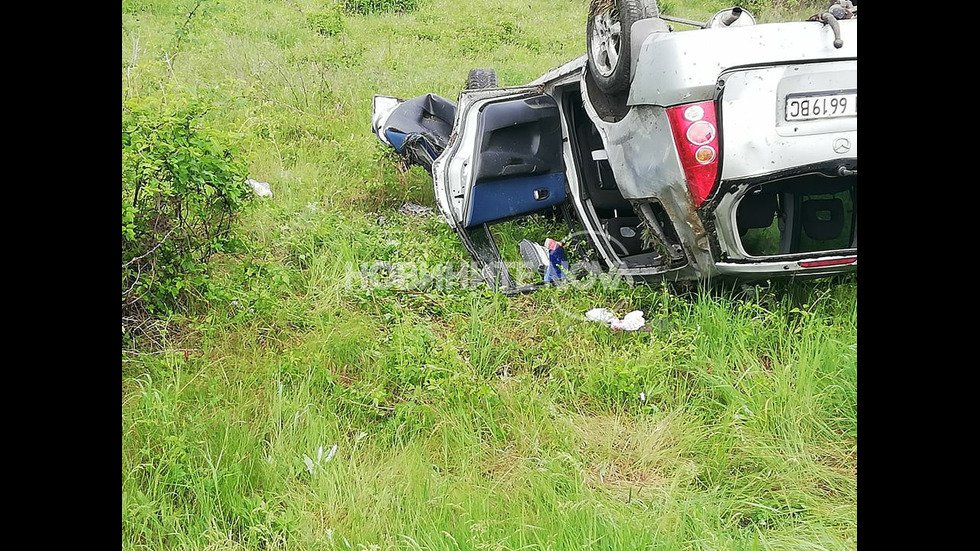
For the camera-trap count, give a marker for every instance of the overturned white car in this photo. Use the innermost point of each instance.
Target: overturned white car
(728, 150)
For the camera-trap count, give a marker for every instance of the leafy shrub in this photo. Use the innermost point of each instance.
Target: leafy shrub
(784, 10)
(327, 23)
(156, 7)
(757, 6)
(182, 186)
(341, 53)
(490, 35)
(364, 7)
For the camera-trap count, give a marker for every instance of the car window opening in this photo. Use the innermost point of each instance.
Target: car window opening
(804, 214)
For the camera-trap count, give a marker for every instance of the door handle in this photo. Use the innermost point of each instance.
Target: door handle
(541, 194)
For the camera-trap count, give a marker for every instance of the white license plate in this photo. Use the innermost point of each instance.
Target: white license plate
(821, 106)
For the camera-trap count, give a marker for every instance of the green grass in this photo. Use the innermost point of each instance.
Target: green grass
(462, 419)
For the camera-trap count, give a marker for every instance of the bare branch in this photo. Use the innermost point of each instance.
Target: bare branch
(137, 353)
(181, 32)
(139, 272)
(147, 253)
(381, 408)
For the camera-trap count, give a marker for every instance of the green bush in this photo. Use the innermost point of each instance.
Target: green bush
(182, 186)
(784, 10)
(328, 23)
(364, 7)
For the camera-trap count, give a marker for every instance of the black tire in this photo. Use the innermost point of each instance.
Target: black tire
(613, 75)
(481, 78)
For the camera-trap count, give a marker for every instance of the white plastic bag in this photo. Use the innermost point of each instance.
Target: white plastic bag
(633, 321)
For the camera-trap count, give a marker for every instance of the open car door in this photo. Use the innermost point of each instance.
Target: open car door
(504, 162)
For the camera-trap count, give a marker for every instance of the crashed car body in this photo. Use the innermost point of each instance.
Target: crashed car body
(728, 150)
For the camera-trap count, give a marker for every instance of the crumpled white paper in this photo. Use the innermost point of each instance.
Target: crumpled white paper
(262, 189)
(630, 322)
(600, 314)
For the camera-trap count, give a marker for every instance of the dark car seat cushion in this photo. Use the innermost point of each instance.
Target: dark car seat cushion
(823, 219)
(755, 210)
(625, 235)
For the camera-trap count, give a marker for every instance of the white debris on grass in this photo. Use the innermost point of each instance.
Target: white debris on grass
(312, 465)
(630, 322)
(600, 314)
(413, 209)
(633, 321)
(330, 454)
(261, 189)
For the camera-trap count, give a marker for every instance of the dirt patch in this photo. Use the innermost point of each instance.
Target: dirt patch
(625, 454)
(501, 465)
(842, 462)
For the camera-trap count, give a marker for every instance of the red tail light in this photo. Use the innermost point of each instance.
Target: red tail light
(822, 263)
(695, 130)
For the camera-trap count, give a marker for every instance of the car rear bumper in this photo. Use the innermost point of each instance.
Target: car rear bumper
(817, 266)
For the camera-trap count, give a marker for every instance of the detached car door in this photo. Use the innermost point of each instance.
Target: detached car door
(504, 161)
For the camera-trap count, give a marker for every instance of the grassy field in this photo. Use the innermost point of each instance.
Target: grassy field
(293, 408)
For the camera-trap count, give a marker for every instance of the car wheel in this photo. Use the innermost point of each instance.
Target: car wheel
(608, 37)
(481, 78)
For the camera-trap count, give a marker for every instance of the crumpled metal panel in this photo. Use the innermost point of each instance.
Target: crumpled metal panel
(642, 153)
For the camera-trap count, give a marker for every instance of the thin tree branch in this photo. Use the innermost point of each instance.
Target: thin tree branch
(139, 272)
(183, 31)
(136, 353)
(147, 253)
